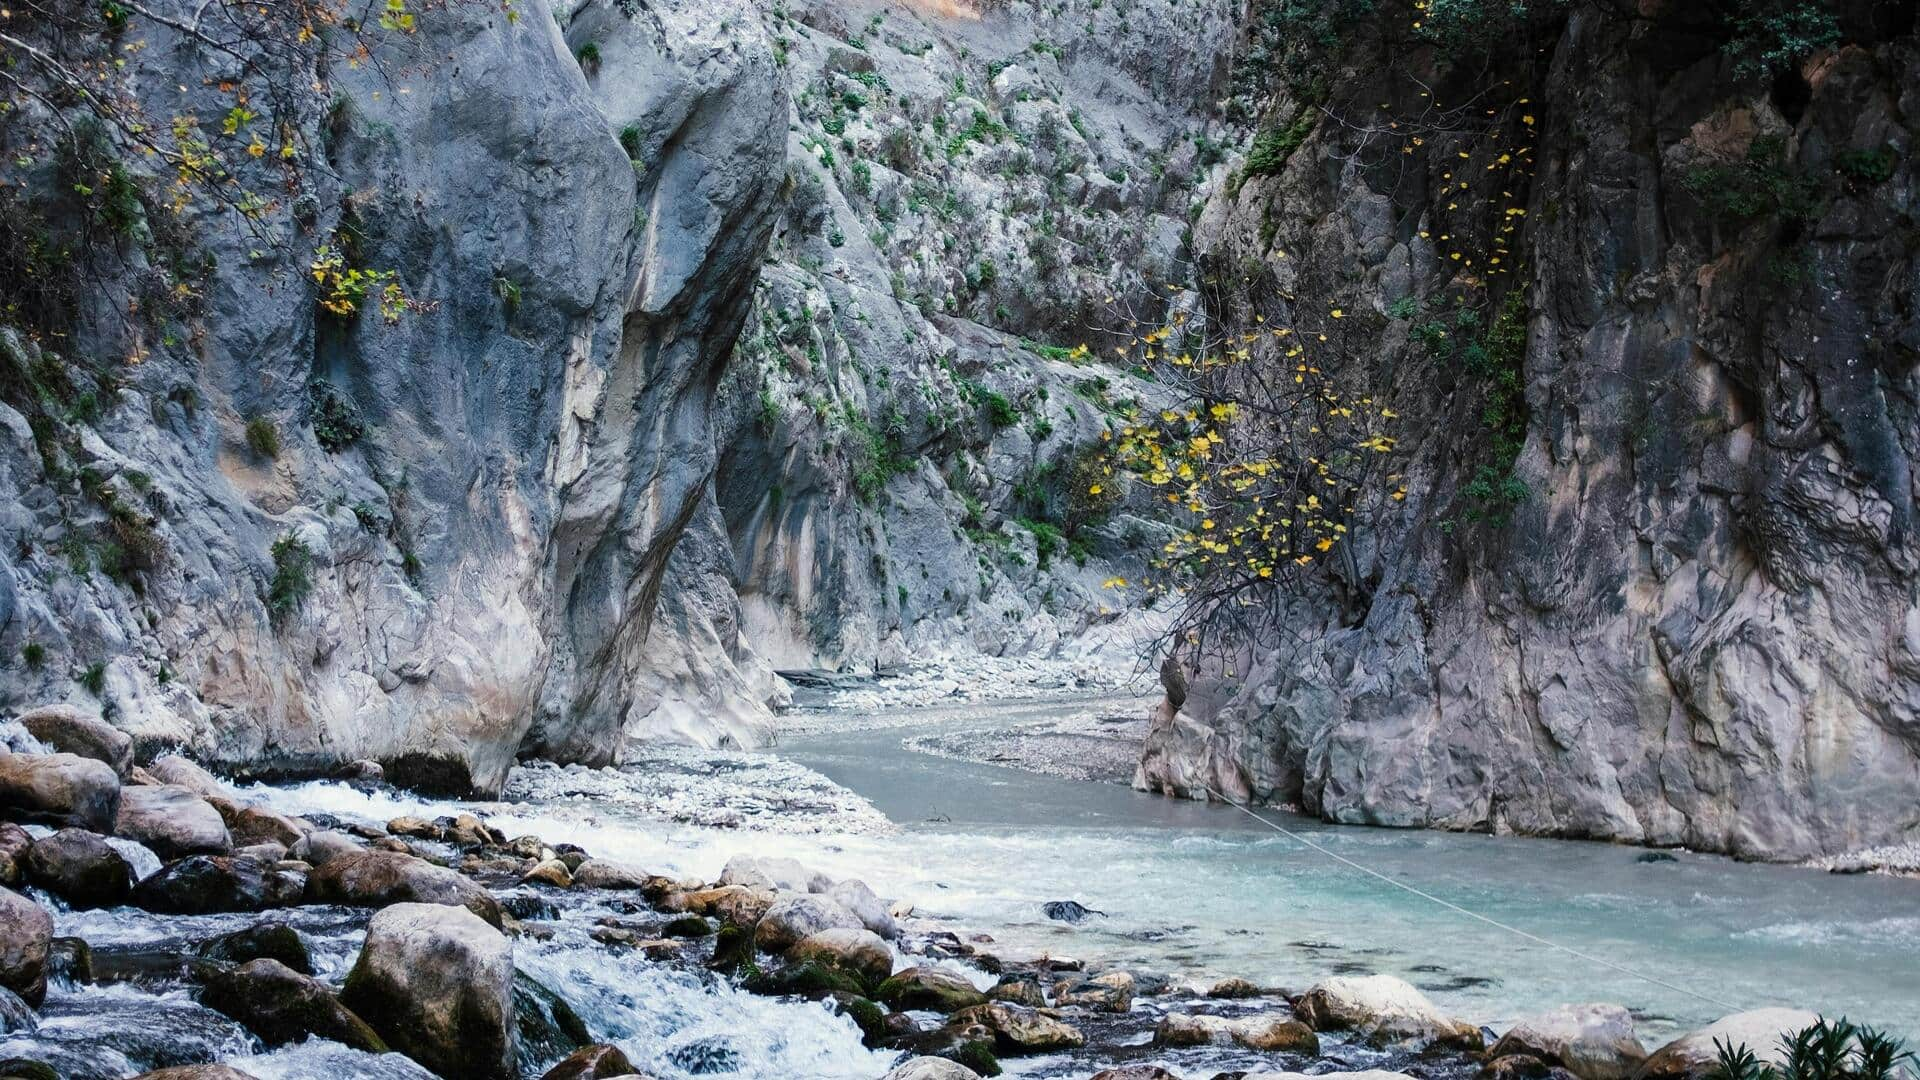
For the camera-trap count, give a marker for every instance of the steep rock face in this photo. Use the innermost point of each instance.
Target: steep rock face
(485, 559)
(1686, 613)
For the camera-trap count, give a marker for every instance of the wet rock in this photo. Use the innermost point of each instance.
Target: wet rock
(1274, 1033)
(1019, 990)
(281, 1005)
(1135, 1072)
(1233, 989)
(736, 904)
(550, 872)
(66, 729)
(773, 873)
(380, 878)
(197, 1072)
(548, 1026)
(1594, 1042)
(1694, 1054)
(928, 988)
(15, 1014)
(601, 874)
(1110, 992)
(27, 1069)
(854, 895)
(860, 952)
(794, 916)
(1655, 857)
(1386, 1011)
(1521, 1067)
(174, 769)
(1020, 1030)
(25, 933)
(601, 1061)
(171, 820)
(1068, 911)
(69, 961)
(60, 789)
(261, 941)
(1358, 1074)
(869, 1017)
(732, 946)
(968, 1044)
(363, 771)
(931, 1068)
(14, 842)
(1182, 1029)
(806, 978)
(264, 853)
(419, 828)
(258, 825)
(80, 868)
(686, 926)
(436, 981)
(204, 884)
(320, 846)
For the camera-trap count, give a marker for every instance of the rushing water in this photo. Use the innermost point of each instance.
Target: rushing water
(1190, 890)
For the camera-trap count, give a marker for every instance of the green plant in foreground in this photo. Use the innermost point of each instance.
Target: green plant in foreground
(1824, 1050)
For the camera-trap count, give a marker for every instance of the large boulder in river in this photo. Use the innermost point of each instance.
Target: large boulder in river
(604, 874)
(14, 842)
(773, 872)
(858, 951)
(174, 769)
(70, 731)
(380, 878)
(1594, 1042)
(321, 846)
(60, 789)
(1108, 992)
(81, 868)
(928, 988)
(281, 1005)
(931, 1068)
(26, 933)
(205, 884)
(436, 981)
(1385, 1011)
(854, 895)
(261, 941)
(171, 820)
(1694, 1054)
(1018, 1030)
(258, 825)
(601, 1061)
(794, 916)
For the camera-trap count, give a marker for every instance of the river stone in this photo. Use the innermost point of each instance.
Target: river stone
(549, 872)
(281, 1005)
(602, 874)
(206, 884)
(1019, 1030)
(1384, 1010)
(1184, 1029)
(1233, 989)
(931, 1068)
(546, 1027)
(379, 878)
(68, 730)
(1759, 1030)
(930, 989)
(320, 846)
(777, 873)
(60, 789)
(171, 820)
(26, 931)
(80, 868)
(1019, 990)
(1135, 1072)
(859, 951)
(197, 1072)
(794, 916)
(736, 904)
(258, 825)
(261, 941)
(1272, 1032)
(601, 1061)
(174, 769)
(1109, 992)
(854, 895)
(69, 961)
(436, 981)
(14, 842)
(1357, 1074)
(1594, 1041)
(15, 1014)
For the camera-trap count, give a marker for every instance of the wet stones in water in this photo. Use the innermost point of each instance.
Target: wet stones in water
(1020, 1030)
(1134, 1072)
(732, 946)
(1111, 992)
(80, 868)
(548, 1026)
(858, 952)
(928, 988)
(600, 1061)
(808, 979)
(250, 825)
(870, 1018)
(549, 872)
(706, 1057)
(380, 878)
(1521, 1067)
(436, 981)
(686, 926)
(281, 1005)
(261, 941)
(601, 874)
(60, 789)
(197, 1072)
(25, 1069)
(15, 1014)
(798, 915)
(526, 905)
(68, 730)
(171, 820)
(1068, 911)
(1386, 1011)
(1655, 857)
(931, 1068)
(968, 1044)
(206, 884)
(1019, 990)
(14, 842)
(69, 961)
(1233, 989)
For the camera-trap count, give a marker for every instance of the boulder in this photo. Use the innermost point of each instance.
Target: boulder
(1020, 1030)
(318, 847)
(600, 1061)
(363, 772)
(1136, 1072)
(861, 952)
(16, 1016)
(601, 874)
(174, 769)
(1182, 1029)
(257, 825)
(66, 729)
(931, 1068)
(1019, 990)
(1068, 911)
(1273, 1032)
(1110, 992)
(281, 1005)
(736, 904)
(379, 878)
(205, 884)
(60, 789)
(549, 872)
(26, 933)
(197, 1072)
(265, 852)
(1357, 1074)
(261, 941)
(14, 842)
(1384, 1010)
(774, 873)
(794, 916)
(80, 868)
(928, 988)
(1594, 1041)
(1233, 989)
(171, 820)
(1694, 1054)
(69, 960)
(854, 895)
(807, 979)
(436, 981)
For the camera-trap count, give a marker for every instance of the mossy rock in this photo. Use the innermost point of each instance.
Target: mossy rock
(975, 1054)
(687, 926)
(806, 979)
(23, 1069)
(732, 947)
(928, 988)
(870, 1018)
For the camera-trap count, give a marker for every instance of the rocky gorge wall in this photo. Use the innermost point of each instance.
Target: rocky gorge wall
(1653, 580)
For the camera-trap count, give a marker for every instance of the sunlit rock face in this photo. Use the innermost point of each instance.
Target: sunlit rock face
(1696, 621)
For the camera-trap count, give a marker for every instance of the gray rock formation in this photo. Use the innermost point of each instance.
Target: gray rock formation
(1681, 608)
